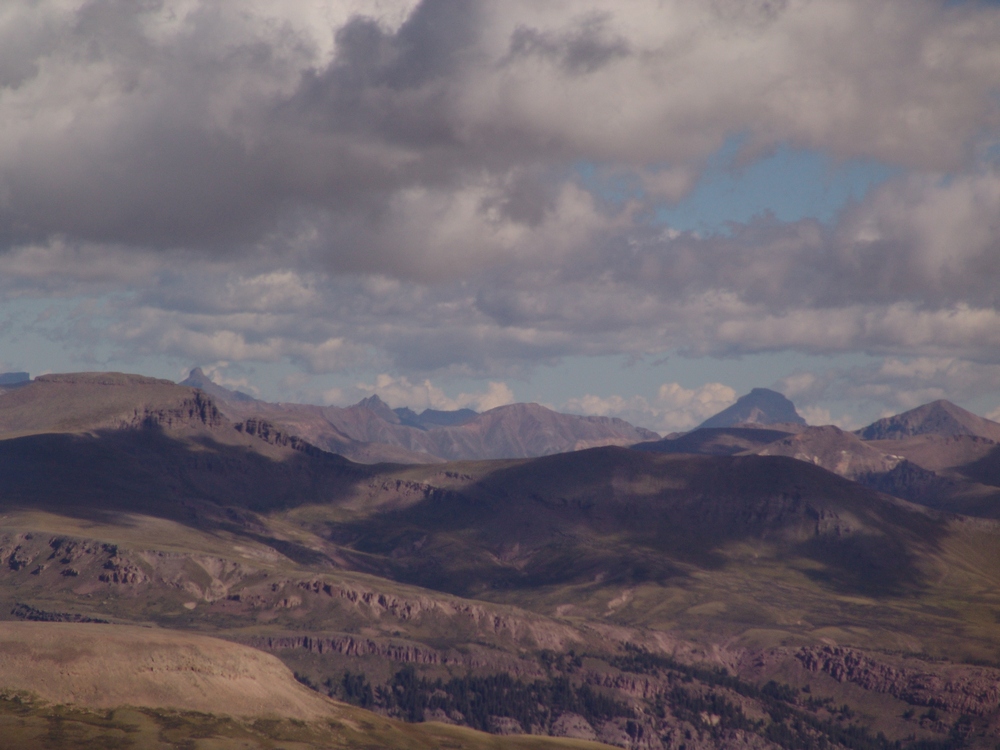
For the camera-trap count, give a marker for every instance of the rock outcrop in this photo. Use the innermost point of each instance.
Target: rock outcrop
(957, 688)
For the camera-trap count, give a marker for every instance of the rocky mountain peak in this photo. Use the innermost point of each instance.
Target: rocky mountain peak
(761, 406)
(379, 407)
(198, 379)
(936, 418)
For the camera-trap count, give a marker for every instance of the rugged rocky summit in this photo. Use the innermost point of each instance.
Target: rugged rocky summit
(937, 455)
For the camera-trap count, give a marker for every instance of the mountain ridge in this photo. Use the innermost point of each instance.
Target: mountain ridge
(370, 431)
(598, 592)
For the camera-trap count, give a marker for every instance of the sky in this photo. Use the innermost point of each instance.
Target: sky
(631, 208)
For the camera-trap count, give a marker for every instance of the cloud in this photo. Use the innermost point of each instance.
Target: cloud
(395, 186)
(386, 136)
(674, 408)
(398, 392)
(891, 385)
(216, 372)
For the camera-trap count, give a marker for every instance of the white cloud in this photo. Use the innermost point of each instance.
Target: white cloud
(367, 186)
(398, 392)
(497, 394)
(675, 408)
(216, 372)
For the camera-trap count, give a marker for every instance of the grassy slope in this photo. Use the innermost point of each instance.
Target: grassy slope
(768, 550)
(180, 689)
(712, 547)
(722, 550)
(29, 725)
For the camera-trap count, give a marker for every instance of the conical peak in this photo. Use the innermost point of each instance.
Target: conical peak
(760, 406)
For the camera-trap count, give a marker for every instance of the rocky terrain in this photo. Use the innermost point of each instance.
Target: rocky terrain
(759, 595)
(941, 418)
(835, 450)
(938, 455)
(717, 441)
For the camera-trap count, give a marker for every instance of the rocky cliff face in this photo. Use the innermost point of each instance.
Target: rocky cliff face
(956, 688)
(198, 410)
(78, 402)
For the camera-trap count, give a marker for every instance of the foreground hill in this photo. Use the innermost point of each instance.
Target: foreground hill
(104, 666)
(370, 431)
(153, 688)
(618, 518)
(92, 443)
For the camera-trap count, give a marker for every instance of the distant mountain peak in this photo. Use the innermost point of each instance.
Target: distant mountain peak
(374, 404)
(198, 379)
(761, 406)
(936, 418)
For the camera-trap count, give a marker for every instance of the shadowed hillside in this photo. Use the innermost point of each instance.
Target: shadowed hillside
(606, 593)
(625, 517)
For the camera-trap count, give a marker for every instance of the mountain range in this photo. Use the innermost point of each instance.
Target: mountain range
(372, 432)
(741, 586)
(937, 454)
